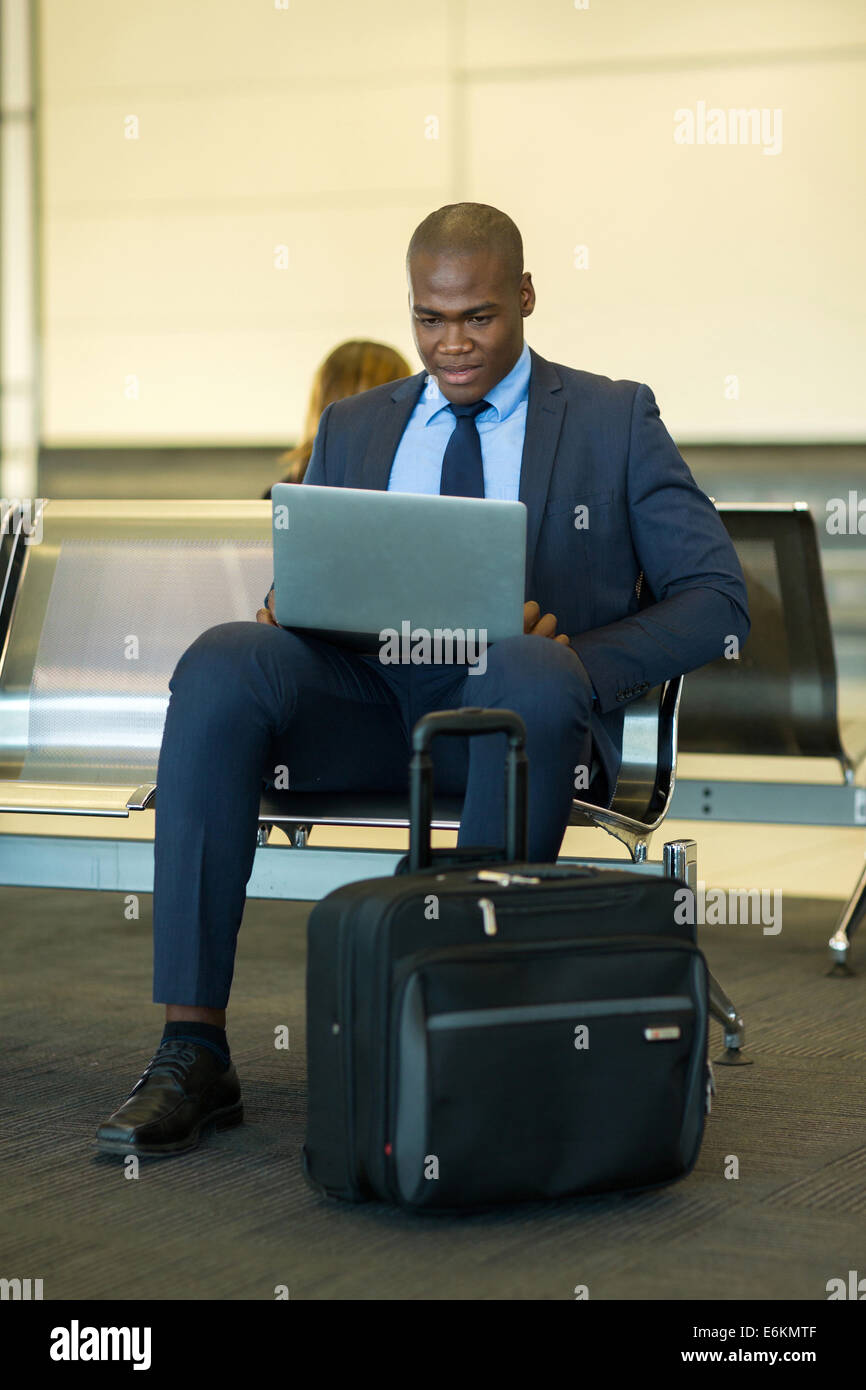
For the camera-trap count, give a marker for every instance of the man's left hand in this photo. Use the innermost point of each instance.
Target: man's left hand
(537, 626)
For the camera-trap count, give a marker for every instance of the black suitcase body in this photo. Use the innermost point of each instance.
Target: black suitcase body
(500, 1032)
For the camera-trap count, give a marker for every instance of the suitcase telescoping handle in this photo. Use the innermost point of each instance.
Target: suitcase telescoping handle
(467, 721)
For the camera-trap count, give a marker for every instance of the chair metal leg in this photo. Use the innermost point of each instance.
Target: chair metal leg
(636, 842)
(680, 858)
(724, 1012)
(852, 915)
(297, 835)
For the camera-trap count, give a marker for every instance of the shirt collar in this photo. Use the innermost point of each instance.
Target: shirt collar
(503, 398)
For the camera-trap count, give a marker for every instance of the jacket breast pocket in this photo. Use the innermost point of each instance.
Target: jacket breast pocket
(557, 506)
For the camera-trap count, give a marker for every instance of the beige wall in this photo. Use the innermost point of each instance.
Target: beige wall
(309, 127)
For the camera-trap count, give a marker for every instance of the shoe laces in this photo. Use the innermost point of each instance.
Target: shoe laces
(172, 1059)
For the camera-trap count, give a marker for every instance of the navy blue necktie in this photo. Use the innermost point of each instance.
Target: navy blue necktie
(462, 469)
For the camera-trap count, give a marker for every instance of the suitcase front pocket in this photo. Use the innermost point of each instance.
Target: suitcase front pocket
(547, 1098)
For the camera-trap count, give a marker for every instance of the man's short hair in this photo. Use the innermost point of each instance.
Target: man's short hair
(466, 228)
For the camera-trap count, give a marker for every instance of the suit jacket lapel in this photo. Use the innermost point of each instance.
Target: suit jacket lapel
(544, 416)
(375, 467)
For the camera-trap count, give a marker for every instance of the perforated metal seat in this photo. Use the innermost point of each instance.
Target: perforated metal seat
(81, 714)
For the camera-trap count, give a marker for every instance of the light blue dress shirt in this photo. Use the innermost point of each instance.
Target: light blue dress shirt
(417, 464)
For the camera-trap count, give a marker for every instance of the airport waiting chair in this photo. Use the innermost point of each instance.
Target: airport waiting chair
(96, 615)
(779, 698)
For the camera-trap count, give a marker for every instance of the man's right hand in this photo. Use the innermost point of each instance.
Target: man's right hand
(266, 615)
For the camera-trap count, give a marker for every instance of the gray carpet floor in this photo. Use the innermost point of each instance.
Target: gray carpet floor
(235, 1219)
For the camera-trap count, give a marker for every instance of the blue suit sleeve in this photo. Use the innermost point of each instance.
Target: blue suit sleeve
(690, 566)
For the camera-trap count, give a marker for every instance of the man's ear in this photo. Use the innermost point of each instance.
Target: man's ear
(527, 295)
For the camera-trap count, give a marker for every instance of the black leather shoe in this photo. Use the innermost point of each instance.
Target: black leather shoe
(181, 1094)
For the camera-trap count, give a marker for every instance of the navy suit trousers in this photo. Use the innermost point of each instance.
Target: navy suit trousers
(249, 699)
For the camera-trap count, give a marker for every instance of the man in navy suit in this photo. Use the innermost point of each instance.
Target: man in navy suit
(630, 580)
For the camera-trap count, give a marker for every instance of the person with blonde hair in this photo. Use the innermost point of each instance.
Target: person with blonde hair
(354, 366)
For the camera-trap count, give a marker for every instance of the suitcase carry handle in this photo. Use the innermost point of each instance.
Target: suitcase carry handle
(467, 721)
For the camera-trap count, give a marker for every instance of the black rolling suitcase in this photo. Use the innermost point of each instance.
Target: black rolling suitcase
(496, 1032)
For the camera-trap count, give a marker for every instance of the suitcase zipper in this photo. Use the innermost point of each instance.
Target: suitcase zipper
(540, 1013)
(436, 955)
(516, 903)
(549, 875)
(343, 1027)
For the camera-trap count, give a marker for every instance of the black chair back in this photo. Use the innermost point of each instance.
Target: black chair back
(779, 696)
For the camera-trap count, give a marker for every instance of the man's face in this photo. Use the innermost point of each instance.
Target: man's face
(467, 320)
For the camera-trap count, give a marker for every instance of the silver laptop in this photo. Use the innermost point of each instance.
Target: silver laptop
(351, 564)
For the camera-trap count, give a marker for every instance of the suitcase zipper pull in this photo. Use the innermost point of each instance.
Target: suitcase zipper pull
(488, 913)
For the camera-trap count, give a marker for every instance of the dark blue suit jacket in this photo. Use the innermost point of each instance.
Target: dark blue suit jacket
(596, 444)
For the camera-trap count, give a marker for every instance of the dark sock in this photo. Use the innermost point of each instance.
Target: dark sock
(205, 1034)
